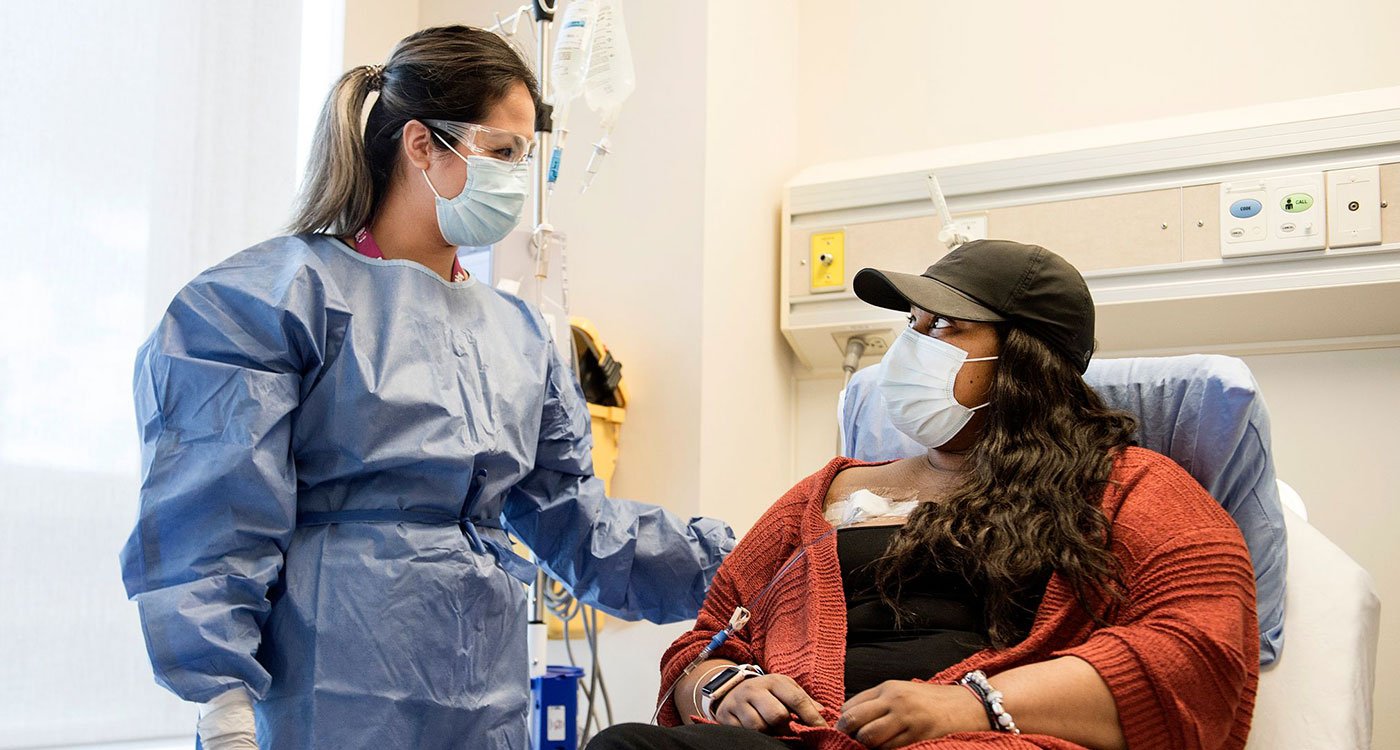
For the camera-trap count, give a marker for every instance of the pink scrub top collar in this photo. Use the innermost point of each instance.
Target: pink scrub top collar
(366, 246)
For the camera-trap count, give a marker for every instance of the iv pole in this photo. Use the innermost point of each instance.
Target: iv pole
(543, 13)
(541, 240)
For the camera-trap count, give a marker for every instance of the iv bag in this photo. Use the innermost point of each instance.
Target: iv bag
(611, 77)
(571, 51)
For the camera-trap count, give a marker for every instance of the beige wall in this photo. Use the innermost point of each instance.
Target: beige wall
(879, 78)
(373, 27)
(746, 386)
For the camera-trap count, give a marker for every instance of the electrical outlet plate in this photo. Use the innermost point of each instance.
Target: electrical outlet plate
(1354, 207)
(877, 339)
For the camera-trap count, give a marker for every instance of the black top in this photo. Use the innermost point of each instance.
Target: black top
(943, 619)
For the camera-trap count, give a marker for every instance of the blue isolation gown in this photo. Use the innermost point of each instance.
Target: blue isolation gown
(334, 448)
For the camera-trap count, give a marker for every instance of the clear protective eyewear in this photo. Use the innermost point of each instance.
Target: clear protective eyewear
(482, 140)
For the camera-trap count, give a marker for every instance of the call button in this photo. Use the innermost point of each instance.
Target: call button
(1296, 203)
(1246, 208)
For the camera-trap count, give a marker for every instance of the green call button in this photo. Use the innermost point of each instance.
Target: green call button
(1295, 203)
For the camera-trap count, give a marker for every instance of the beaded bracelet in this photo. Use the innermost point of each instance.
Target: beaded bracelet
(991, 717)
(997, 716)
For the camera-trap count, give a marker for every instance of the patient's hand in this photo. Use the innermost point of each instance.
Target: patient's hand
(899, 712)
(766, 703)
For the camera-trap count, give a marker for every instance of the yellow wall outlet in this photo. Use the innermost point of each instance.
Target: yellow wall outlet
(828, 261)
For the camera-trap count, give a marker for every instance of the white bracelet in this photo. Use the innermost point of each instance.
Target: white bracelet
(695, 691)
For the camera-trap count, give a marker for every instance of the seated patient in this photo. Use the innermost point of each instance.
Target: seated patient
(1035, 580)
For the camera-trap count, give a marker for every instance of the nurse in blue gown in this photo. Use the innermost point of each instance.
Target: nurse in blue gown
(340, 427)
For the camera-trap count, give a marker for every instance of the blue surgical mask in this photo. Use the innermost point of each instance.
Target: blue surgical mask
(490, 204)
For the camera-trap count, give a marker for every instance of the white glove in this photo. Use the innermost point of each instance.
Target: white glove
(226, 723)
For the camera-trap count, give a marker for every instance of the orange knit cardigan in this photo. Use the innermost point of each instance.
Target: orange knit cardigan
(1180, 656)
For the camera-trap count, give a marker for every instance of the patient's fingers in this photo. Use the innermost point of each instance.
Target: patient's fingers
(855, 717)
(774, 712)
(796, 700)
(771, 700)
(754, 694)
(740, 714)
(883, 733)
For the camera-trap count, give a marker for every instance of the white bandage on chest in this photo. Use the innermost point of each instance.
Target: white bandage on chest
(864, 505)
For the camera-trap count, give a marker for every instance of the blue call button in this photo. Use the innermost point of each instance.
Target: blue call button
(1247, 208)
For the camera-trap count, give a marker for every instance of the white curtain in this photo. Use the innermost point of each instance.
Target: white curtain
(140, 142)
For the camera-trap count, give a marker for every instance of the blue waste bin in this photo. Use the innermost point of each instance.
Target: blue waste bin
(554, 723)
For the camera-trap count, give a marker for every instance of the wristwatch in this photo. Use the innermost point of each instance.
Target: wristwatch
(722, 683)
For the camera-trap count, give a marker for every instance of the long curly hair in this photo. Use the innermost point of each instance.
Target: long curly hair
(1030, 502)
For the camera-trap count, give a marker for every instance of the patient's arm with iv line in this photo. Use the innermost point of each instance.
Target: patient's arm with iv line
(738, 592)
(738, 582)
(686, 696)
(763, 703)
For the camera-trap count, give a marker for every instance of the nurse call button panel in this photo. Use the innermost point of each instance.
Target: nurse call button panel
(1272, 214)
(1243, 217)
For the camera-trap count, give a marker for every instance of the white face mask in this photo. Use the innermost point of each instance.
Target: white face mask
(489, 205)
(916, 384)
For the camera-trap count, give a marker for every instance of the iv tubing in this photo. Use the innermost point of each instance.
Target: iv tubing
(723, 635)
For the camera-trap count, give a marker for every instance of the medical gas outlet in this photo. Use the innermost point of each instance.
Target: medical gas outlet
(1264, 215)
(828, 261)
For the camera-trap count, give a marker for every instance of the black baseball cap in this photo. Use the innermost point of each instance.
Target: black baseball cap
(991, 281)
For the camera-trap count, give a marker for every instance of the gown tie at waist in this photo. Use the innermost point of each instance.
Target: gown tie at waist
(495, 539)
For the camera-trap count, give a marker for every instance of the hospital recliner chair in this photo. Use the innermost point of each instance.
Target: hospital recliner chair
(1205, 412)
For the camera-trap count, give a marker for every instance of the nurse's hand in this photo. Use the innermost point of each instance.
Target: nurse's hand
(767, 703)
(896, 713)
(226, 723)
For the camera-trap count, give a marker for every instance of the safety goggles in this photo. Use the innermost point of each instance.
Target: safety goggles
(482, 140)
